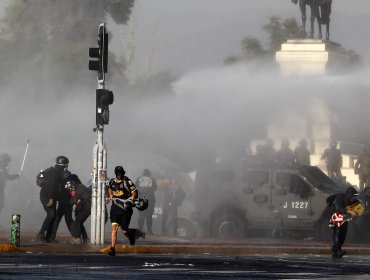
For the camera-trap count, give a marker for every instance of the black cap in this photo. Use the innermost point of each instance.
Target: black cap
(118, 170)
(146, 172)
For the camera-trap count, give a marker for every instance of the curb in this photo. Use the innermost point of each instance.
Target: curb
(185, 249)
(231, 250)
(9, 248)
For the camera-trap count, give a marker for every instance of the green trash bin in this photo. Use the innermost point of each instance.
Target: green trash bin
(16, 230)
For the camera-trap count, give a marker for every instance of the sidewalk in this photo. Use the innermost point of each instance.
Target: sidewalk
(175, 245)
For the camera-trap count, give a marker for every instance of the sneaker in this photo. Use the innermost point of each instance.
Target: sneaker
(131, 237)
(112, 251)
(341, 253)
(76, 241)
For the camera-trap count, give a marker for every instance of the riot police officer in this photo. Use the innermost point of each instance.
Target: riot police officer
(50, 181)
(362, 168)
(81, 197)
(302, 154)
(4, 176)
(334, 161)
(147, 186)
(284, 156)
(64, 206)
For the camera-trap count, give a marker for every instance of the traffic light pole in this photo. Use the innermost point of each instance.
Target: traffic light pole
(98, 187)
(99, 174)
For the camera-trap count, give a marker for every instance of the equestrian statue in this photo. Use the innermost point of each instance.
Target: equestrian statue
(320, 10)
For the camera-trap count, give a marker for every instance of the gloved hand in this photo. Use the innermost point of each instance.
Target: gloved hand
(137, 201)
(50, 203)
(347, 217)
(129, 203)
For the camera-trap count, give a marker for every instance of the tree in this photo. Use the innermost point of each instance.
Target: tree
(278, 31)
(47, 41)
(252, 47)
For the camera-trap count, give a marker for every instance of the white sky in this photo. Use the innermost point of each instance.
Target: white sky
(185, 35)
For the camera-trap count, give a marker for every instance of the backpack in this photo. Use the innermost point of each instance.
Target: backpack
(44, 175)
(40, 179)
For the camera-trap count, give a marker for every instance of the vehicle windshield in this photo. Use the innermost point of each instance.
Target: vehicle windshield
(319, 179)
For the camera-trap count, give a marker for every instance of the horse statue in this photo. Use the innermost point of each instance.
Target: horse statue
(320, 10)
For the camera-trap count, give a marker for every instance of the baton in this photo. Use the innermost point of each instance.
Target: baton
(25, 154)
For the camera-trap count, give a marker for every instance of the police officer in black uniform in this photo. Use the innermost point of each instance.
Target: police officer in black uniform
(81, 197)
(147, 186)
(5, 176)
(50, 181)
(64, 207)
(122, 192)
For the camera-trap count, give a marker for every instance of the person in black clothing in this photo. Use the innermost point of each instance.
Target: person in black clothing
(5, 176)
(81, 197)
(64, 207)
(341, 201)
(146, 185)
(50, 181)
(122, 192)
(173, 197)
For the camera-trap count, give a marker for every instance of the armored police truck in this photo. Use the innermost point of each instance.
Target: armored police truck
(240, 201)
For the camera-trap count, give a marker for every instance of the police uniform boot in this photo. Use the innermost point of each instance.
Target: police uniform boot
(40, 236)
(112, 251)
(334, 252)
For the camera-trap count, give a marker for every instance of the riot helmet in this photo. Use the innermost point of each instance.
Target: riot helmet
(4, 160)
(285, 143)
(141, 203)
(303, 143)
(269, 143)
(119, 171)
(146, 172)
(350, 192)
(70, 185)
(62, 161)
(333, 144)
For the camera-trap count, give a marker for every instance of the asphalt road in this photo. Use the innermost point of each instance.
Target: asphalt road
(141, 266)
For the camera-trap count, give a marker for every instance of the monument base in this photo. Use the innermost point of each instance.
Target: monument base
(311, 57)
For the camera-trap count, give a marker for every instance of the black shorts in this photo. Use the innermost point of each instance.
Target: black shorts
(120, 216)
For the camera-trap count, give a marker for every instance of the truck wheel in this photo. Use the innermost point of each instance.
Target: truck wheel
(228, 226)
(185, 228)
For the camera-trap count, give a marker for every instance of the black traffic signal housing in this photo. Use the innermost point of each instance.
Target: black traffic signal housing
(104, 98)
(100, 54)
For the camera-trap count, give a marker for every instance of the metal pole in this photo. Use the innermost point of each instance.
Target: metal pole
(99, 175)
(94, 194)
(25, 154)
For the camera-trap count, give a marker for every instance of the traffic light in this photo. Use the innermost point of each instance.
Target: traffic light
(104, 98)
(100, 54)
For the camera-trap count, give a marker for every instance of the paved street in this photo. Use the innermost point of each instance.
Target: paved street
(140, 266)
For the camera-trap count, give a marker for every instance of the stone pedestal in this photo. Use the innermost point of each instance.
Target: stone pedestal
(311, 57)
